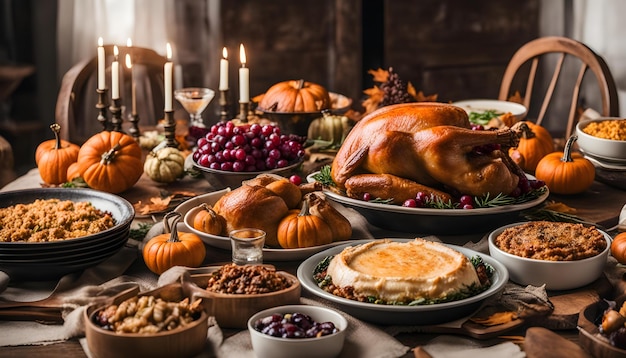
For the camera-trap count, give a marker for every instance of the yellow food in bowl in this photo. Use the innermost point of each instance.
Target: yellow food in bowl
(611, 129)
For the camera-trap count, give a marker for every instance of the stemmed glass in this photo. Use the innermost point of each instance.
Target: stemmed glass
(194, 100)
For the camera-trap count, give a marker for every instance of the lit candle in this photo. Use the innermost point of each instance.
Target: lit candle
(133, 88)
(101, 65)
(244, 77)
(115, 75)
(167, 74)
(224, 71)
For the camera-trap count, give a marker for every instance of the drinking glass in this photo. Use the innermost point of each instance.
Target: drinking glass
(194, 100)
(247, 245)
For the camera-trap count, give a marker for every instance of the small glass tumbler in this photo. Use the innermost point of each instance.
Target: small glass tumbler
(247, 245)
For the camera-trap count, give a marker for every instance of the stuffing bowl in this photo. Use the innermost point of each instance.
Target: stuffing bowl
(325, 346)
(556, 275)
(234, 310)
(609, 150)
(185, 341)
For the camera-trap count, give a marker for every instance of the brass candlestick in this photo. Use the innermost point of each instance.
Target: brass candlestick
(102, 108)
(134, 126)
(244, 107)
(224, 111)
(116, 115)
(169, 129)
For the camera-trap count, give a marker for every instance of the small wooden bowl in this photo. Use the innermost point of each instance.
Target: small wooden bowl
(183, 342)
(234, 310)
(589, 334)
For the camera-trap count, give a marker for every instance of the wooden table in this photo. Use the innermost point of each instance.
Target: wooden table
(601, 204)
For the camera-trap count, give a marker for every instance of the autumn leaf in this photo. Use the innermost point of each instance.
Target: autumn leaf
(379, 75)
(560, 207)
(157, 204)
(517, 98)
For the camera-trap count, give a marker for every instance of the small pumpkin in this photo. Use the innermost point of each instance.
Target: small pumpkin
(618, 247)
(110, 161)
(53, 157)
(164, 165)
(73, 172)
(300, 228)
(50, 144)
(338, 224)
(566, 172)
(295, 96)
(172, 248)
(532, 147)
(328, 131)
(207, 220)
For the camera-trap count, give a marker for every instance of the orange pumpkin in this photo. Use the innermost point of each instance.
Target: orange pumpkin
(207, 220)
(618, 247)
(295, 96)
(53, 157)
(300, 228)
(110, 161)
(172, 248)
(566, 172)
(532, 148)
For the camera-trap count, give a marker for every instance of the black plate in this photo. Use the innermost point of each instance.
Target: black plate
(121, 210)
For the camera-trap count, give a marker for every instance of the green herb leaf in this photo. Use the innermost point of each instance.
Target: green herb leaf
(483, 117)
(324, 176)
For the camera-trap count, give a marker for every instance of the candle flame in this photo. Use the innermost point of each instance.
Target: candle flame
(225, 53)
(169, 51)
(116, 52)
(100, 42)
(129, 64)
(242, 55)
(129, 42)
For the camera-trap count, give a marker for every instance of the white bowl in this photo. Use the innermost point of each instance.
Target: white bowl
(483, 105)
(320, 347)
(556, 275)
(604, 149)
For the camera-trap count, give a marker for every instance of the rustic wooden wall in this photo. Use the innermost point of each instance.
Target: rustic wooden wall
(455, 48)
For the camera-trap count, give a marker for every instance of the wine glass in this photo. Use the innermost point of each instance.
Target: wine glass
(194, 100)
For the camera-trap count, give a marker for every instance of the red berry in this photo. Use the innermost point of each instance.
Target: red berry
(367, 196)
(295, 179)
(410, 203)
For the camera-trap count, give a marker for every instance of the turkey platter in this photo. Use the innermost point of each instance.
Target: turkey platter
(400, 150)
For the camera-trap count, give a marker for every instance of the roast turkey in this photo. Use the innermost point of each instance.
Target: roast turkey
(431, 144)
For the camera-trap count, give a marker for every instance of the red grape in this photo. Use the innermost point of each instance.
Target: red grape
(295, 179)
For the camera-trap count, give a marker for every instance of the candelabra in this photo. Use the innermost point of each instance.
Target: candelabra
(169, 129)
(116, 115)
(102, 108)
(244, 107)
(134, 125)
(224, 111)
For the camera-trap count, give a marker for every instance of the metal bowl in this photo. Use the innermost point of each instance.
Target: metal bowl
(298, 122)
(49, 260)
(221, 179)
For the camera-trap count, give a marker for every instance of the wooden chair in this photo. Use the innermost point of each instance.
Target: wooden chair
(76, 110)
(535, 52)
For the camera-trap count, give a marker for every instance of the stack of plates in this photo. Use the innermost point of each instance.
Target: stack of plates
(49, 260)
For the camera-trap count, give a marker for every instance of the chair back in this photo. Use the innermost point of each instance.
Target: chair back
(527, 61)
(76, 110)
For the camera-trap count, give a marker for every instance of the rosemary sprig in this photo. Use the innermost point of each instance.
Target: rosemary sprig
(324, 176)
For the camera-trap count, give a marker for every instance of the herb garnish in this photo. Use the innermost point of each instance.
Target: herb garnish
(483, 117)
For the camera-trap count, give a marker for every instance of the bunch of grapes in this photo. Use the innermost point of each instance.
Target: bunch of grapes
(296, 325)
(395, 90)
(247, 148)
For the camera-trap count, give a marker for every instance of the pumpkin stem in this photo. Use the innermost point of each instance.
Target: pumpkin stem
(567, 151)
(300, 84)
(305, 211)
(171, 228)
(108, 156)
(56, 129)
